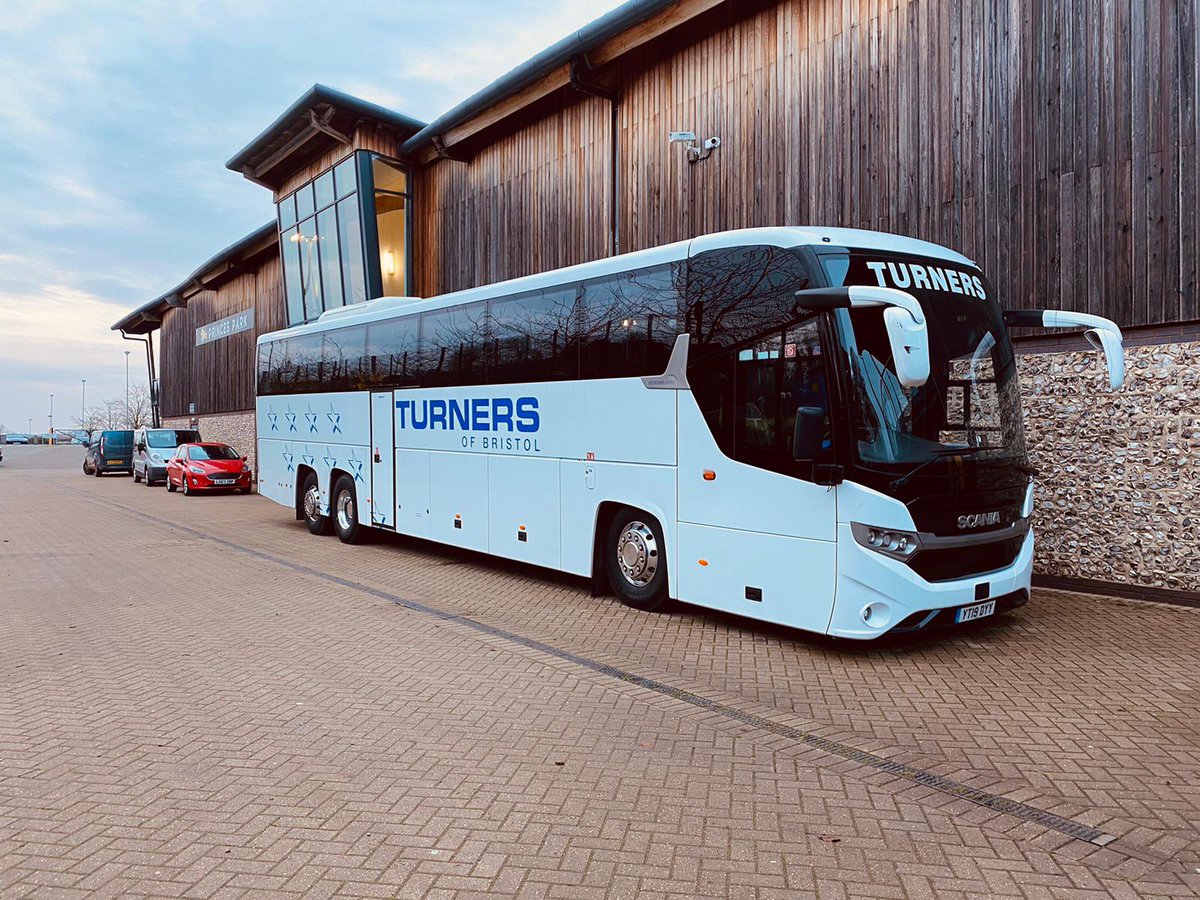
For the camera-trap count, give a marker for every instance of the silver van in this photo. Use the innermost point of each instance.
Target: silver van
(152, 447)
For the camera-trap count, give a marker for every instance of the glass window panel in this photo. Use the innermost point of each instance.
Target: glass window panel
(629, 323)
(534, 337)
(452, 342)
(342, 358)
(389, 176)
(301, 371)
(331, 269)
(391, 357)
(310, 270)
(304, 202)
(289, 248)
(350, 235)
(323, 189)
(345, 177)
(391, 224)
(287, 212)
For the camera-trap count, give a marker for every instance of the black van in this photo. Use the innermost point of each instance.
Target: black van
(109, 451)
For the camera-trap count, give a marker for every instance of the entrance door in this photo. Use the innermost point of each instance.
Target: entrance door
(383, 460)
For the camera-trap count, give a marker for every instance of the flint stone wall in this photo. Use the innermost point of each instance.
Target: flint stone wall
(235, 429)
(1118, 490)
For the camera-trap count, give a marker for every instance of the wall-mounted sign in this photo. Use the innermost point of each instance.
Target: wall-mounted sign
(223, 328)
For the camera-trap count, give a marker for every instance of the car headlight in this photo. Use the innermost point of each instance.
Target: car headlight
(889, 541)
(195, 470)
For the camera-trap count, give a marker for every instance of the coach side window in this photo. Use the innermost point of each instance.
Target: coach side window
(452, 345)
(756, 362)
(534, 337)
(392, 353)
(342, 354)
(629, 322)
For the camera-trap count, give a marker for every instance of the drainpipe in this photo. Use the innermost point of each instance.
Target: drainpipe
(154, 419)
(583, 80)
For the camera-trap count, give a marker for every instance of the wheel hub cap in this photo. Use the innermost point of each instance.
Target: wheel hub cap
(345, 511)
(312, 503)
(637, 554)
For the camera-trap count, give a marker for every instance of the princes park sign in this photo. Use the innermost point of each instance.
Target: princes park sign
(223, 328)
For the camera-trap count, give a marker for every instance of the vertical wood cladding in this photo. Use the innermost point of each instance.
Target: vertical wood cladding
(1054, 141)
(529, 201)
(219, 376)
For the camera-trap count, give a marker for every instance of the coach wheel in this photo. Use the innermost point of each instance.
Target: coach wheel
(345, 512)
(635, 560)
(310, 505)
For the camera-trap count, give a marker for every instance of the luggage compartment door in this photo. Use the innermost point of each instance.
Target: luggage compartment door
(383, 460)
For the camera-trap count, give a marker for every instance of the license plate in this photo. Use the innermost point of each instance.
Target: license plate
(232, 480)
(971, 613)
(114, 462)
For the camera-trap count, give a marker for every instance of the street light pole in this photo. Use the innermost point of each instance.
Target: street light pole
(52, 418)
(128, 416)
(83, 406)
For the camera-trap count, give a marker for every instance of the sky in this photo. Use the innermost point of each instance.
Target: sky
(116, 119)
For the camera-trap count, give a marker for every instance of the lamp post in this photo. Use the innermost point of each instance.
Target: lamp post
(128, 417)
(51, 418)
(83, 406)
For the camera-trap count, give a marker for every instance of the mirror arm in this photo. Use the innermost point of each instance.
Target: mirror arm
(1101, 333)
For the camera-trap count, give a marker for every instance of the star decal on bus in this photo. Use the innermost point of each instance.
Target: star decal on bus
(289, 458)
(357, 465)
(291, 417)
(330, 461)
(308, 458)
(274, 418)
(312, 419)
(335, 419)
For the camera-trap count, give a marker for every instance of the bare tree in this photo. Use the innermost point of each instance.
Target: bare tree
(95, 418)
(138, 414)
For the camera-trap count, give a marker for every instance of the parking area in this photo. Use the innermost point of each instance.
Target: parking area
(201, 699)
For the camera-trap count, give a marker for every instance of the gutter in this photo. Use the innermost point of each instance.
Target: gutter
(619, 20)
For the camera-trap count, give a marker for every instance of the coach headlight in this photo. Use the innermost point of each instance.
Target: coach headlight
(888, 541)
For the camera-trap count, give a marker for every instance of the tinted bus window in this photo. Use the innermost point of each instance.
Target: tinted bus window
(452, 342)
(391, 352)
(534, 338)
(629, 323)
(342, 356)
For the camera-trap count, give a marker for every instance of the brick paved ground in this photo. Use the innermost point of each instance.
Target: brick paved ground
(199, 698)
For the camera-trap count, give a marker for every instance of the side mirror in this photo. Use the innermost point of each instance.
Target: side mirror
(1111, 346)
(909, 343)
(808, 433)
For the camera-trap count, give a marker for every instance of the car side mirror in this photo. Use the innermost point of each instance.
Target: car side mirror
(808, 433)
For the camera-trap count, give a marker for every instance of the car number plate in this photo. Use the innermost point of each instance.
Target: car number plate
(113, 462)
(232, 480)
(971, 613)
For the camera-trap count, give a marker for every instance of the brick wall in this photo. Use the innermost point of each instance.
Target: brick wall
(1119, 472)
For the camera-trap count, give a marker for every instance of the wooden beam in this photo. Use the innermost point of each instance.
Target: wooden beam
(615, 47)
(306, 134)
(321, 123)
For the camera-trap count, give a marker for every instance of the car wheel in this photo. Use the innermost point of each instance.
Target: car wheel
(635, 560)
(310, 505)
(187, 491)
(345, 512)
(136, 477)
(96, 471)
(170, 484)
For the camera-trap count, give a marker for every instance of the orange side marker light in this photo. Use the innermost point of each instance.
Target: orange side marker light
(703, 562)
(710, 475)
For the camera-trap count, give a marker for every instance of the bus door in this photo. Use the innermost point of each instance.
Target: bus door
(383, 459)
(756, 531)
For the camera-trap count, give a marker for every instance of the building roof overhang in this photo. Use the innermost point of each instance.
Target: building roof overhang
(236, 259)
(321, 119)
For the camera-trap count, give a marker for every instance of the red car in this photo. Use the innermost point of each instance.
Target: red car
(207, 467)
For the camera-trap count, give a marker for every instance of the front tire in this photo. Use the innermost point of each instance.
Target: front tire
(136, 477)
(310, 505)
(187, 491)
(345, 512)
(170, 484)
(635, 560)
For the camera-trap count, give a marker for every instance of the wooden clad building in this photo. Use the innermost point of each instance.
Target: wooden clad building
(1054, 141)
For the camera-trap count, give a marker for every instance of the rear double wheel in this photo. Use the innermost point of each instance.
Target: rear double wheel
(345, 512)
(635, 560)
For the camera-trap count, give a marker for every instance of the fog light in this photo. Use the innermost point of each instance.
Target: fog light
(877, 615)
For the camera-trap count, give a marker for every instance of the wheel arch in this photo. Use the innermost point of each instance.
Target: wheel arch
(606, 510)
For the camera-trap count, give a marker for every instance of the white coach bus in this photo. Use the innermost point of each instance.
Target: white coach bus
(819, 428)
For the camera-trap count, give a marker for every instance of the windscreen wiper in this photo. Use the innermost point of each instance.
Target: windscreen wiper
(900, 482)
